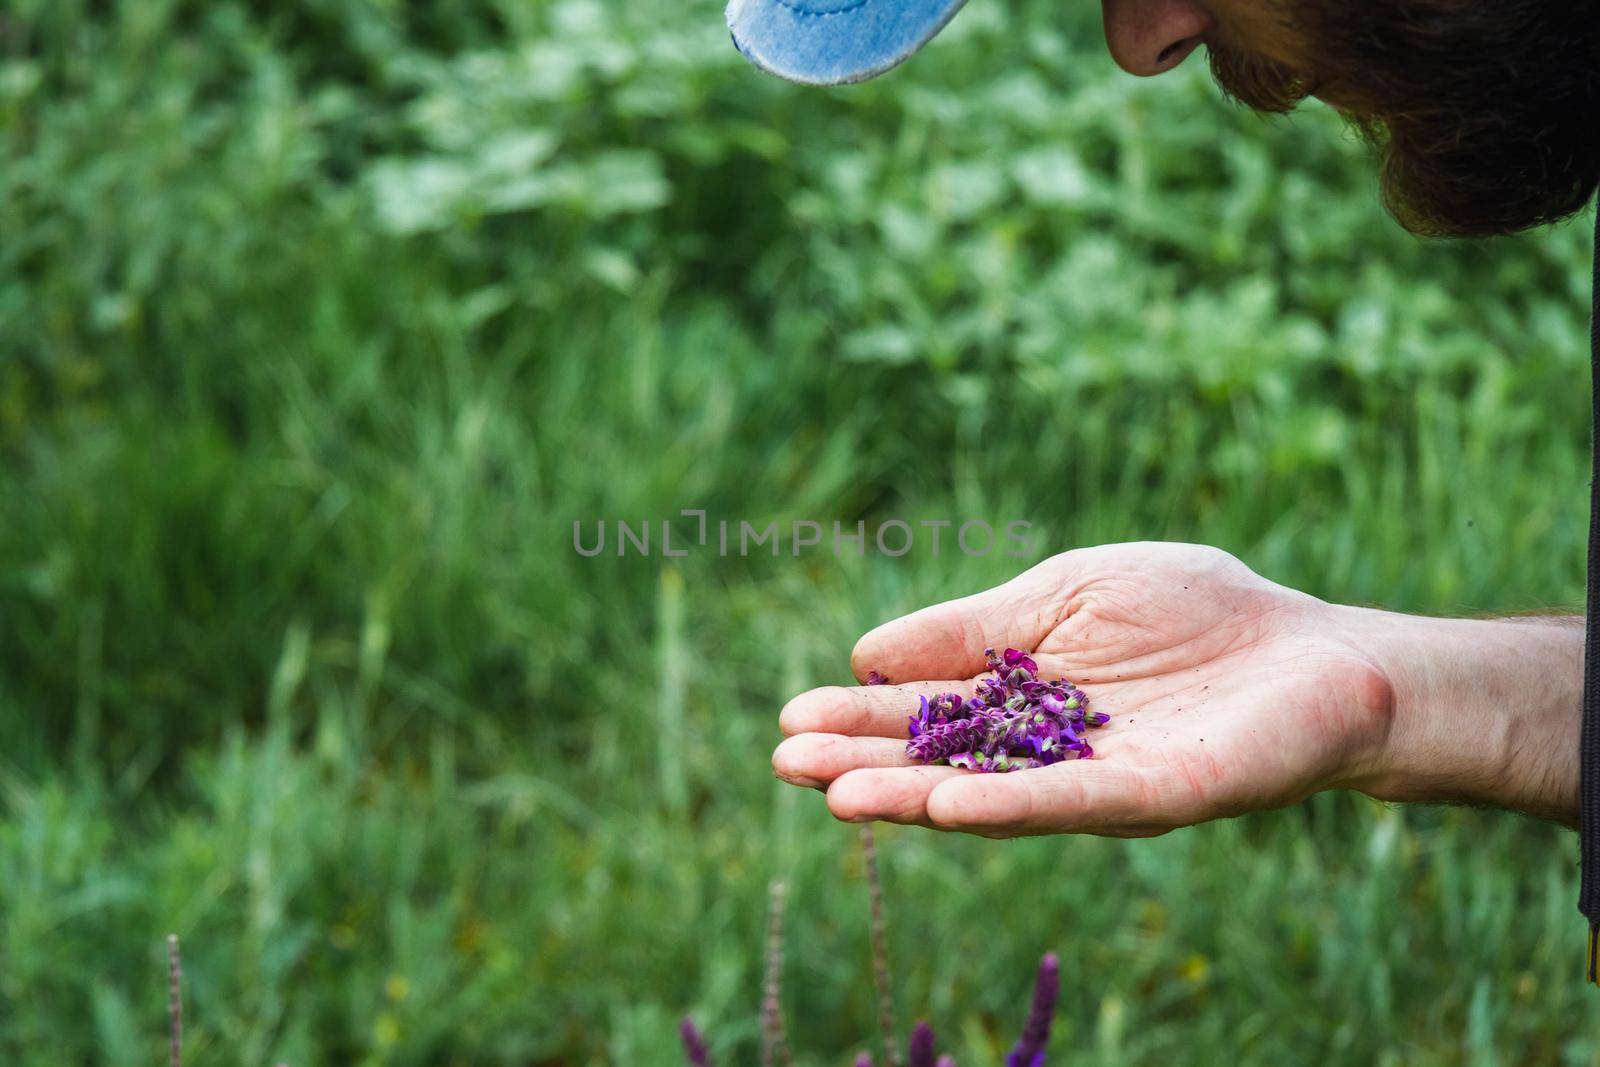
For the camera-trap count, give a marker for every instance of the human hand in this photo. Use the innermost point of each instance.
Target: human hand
(1227, 693)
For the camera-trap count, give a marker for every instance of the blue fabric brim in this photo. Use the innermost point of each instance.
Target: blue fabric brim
(834, 42)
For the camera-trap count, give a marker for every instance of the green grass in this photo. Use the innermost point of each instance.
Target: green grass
(319, 327)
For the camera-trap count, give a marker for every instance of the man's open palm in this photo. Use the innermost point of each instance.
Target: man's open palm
(1227, 693)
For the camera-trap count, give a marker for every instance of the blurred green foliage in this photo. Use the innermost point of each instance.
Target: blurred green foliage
(320, 324)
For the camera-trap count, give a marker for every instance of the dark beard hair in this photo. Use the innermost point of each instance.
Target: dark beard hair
(1485, 114)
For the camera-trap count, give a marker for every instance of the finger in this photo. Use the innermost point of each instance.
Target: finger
(816, 759)
(862, 711)
(948, 640)
(1079, 796)
(897, 794)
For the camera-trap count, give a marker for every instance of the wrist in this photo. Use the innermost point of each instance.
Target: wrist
(1483, 711)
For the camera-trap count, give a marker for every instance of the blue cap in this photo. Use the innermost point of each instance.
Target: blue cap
(834, 42)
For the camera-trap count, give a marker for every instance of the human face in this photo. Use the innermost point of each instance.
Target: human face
(1482, 111)
(1148, 37)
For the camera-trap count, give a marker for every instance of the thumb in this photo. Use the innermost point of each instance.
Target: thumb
(949, 640)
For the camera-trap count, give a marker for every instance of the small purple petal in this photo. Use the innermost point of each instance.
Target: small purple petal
(1015, 657)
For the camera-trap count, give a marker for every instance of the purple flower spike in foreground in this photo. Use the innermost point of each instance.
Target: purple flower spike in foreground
(1015, 721)
(694, 1046)
(1029, 1050)
(921, 1047)
(864, 1060)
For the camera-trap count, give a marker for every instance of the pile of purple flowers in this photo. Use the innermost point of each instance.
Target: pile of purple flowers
(1015, 721)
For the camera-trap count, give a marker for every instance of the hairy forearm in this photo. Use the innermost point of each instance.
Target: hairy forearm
(1485, 711)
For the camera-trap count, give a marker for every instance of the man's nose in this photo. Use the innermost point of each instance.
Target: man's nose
(1151, 36)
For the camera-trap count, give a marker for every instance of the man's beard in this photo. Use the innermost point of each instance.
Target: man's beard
(1485, 113)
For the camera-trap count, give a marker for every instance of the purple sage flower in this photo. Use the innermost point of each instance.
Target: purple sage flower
(921, 720)
(694, 1046)
(1012, 659)
(1029, 1049)
(920, 1049)
(864, 1060)
(947, 739)
(946, 1061)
